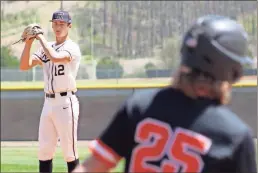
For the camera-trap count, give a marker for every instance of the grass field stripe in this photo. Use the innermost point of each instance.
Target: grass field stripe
(24, 159)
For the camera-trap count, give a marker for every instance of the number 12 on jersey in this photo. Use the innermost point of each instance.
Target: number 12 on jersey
(184, 149)
(59, 70)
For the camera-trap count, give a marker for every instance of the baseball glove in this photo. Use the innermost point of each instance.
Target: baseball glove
(30, 32)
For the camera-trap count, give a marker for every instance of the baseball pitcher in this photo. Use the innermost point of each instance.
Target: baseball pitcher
(60, 61)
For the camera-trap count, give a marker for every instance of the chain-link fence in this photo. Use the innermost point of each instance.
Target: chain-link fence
(139, 38)
(36, 74)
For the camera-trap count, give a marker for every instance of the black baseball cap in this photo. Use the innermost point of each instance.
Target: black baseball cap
(61, 16)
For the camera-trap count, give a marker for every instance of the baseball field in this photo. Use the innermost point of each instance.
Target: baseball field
(22, 157)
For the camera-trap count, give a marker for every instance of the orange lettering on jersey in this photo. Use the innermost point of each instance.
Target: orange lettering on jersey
(156, 139)
(185, 140)
(168, 166)
(149, 150)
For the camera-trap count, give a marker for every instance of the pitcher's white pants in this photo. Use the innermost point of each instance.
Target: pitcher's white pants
(59, 119)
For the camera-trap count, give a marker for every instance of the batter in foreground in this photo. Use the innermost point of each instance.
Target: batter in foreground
(59, 118)
(185, 127)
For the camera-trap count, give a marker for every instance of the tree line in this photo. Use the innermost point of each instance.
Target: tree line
(134, 29)
(138, 29)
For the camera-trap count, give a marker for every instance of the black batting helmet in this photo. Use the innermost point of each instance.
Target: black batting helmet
(217, 46)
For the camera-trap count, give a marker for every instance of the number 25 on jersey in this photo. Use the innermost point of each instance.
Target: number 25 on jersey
(156, 139)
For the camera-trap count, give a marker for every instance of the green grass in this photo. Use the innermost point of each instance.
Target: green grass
(24, 159)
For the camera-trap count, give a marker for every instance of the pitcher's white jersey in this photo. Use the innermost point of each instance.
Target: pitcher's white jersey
(60, 77)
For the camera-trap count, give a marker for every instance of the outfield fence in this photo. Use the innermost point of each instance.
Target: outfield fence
(84, 73)
(21, 109)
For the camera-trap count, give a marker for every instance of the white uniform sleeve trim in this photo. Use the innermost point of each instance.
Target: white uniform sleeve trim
(102, 151)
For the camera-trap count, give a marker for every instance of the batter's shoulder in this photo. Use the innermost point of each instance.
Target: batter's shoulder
(141, 100)
(223, 123)
(230, 119)
(225, 129)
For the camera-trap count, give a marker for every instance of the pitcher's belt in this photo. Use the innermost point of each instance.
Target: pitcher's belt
(61, 94)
